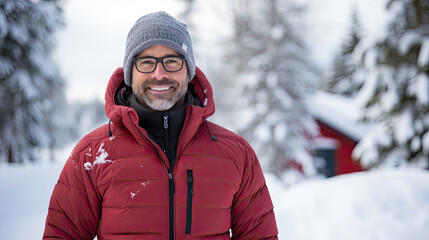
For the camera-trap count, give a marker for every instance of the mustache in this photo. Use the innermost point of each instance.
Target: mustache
(154, 82)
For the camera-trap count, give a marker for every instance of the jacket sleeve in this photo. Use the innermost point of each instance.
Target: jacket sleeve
(252, 210)
(74, 208)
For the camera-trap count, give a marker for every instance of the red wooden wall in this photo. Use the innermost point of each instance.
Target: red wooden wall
(343, 156)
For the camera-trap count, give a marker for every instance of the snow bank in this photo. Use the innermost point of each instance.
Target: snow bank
(382, 205)
(24, 199)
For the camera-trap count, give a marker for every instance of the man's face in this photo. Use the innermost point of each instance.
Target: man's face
(160, 90)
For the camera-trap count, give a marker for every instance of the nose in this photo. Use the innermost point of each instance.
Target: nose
(159, 72)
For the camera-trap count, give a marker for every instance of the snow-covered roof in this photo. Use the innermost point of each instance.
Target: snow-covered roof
(339, 112)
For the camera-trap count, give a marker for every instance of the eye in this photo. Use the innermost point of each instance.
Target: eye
(171, 61)
(145, 62)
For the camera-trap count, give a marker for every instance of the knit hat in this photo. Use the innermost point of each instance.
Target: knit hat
(158, 28)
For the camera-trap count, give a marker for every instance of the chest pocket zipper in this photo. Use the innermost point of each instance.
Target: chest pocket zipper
(189, 202)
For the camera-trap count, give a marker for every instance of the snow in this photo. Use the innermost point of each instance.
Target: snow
(383, 205)
(92, 27)
(403, 125)
(389, 205)
(24, 199)
(421, 88)
(408, 40)
(426, 143)
(395, 93)
(367, 150)
(423, 59)
(99, 159)
(144, 184)
(25, 81)
(4, 27)
(328, 20)
(340, 112)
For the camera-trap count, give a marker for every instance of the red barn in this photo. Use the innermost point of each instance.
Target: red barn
(340, 131)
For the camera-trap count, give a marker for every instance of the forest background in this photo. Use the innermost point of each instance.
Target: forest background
(265, 60)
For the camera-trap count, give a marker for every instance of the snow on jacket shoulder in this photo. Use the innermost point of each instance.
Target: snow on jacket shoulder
(118, 184)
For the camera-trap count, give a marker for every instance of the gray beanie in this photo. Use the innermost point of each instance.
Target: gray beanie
(158, 28)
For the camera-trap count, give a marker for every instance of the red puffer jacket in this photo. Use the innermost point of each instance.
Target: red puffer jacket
(117, 182)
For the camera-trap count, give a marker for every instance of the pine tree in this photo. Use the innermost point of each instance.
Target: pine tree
(272, 79)
(347, 75)
(395, 94)
(31, 88)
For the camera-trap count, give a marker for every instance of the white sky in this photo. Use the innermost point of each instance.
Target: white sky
(92, 44)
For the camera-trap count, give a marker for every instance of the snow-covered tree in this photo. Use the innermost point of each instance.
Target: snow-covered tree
(347, 74)
(395, 95)
(31, 88)
(271, 79)
(85, 116)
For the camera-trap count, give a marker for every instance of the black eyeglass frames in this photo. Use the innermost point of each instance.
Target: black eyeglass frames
(149, 64)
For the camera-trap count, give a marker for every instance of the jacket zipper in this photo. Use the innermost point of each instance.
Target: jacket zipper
(189, 202)
(167, 146)
(170, 178)
(171, 187)
(171, 208)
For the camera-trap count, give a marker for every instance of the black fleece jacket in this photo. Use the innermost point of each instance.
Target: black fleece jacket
(164, 127)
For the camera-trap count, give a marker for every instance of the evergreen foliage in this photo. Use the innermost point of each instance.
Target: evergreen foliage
(272, 79)
(395, 95)
(31, 87)
(347, 75)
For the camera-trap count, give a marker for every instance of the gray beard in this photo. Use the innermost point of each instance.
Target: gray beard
(159, 104)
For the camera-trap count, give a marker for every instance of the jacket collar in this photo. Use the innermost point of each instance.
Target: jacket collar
(123, 115)
(153, 121)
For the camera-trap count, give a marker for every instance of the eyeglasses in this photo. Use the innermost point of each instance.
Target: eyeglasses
(170, 63)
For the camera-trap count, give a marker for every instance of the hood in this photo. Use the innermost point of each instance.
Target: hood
(118, 113)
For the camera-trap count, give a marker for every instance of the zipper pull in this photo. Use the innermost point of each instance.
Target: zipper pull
(165, 121)
(170, 178)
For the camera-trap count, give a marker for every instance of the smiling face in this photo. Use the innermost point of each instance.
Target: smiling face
(160, 90)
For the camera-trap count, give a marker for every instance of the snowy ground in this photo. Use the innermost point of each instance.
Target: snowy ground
(382, 205)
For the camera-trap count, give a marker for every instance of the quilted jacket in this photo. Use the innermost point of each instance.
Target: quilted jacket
(118, 183)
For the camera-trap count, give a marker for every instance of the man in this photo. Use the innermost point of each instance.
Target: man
(159, 169)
